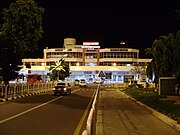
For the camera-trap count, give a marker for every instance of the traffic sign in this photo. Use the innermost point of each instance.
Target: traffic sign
(101, 74)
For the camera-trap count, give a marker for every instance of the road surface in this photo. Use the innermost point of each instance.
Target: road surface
(46, 114)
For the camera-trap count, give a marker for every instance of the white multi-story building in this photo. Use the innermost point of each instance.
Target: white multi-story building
(88, 60)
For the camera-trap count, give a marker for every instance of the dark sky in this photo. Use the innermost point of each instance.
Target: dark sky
(109, 22)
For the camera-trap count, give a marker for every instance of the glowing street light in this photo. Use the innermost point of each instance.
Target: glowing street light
(122, 43)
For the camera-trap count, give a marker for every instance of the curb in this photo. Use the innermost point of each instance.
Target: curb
(21, 96)
(99, 118)
(99, 123)
(156, 113)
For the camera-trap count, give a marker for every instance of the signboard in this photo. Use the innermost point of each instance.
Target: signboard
(129, 76)
(87, 72)
(101, 74)
(90, 43)
(124, 72)
(90, 47)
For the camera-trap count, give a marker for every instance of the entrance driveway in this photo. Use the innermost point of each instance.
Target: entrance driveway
(117, 115)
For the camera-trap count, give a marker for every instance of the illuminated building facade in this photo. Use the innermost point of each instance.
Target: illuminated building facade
(88, 60)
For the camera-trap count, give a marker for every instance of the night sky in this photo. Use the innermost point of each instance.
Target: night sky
(138, 23)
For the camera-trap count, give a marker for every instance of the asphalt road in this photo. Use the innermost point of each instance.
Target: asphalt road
(46, 114)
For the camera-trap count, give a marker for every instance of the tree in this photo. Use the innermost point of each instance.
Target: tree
(139, 69)
(22, 27)
(177, 59)
(20, 32)
(149, 70)
(8, 67)
(166, 57)
(178, 14)
(60, 70)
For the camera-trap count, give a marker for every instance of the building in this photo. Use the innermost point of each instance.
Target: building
(89, 61)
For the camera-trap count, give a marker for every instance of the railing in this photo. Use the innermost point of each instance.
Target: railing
(16, 90)
(92, 115)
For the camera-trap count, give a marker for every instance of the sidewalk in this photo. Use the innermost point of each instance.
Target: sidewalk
(118, 115)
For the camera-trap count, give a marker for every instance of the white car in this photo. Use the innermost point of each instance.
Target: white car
(62, 88)
(98, 81)
(76, 82)
(82, 83)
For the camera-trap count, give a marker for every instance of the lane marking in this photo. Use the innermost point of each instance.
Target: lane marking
(29, 110)
(80, 124)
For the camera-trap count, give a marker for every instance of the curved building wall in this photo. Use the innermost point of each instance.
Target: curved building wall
(69, 42)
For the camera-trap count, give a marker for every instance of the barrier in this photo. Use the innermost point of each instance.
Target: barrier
(90, 121)
(16, 90)
(84, 132)
(91, 116)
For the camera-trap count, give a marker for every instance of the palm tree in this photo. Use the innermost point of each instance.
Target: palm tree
(59, 70)
(59, 65)
(141, 70)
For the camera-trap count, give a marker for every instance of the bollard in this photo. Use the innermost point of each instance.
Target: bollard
(21, 89)
(28, 87)
(42, 86)
(46, 87)
(15, 90)
(38, 88)
(6, 91)
(33, 88)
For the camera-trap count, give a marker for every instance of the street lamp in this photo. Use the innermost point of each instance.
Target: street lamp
(122, 43)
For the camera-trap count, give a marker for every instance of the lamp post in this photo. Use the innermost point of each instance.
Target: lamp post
(122, 44)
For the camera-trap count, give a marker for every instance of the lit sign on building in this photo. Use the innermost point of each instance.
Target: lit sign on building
(90, 47)
(123, 72)
(88, 72)
(90, 43)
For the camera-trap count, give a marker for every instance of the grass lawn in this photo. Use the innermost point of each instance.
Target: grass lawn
(151, 98)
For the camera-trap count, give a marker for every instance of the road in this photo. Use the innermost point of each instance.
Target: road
(46, 114)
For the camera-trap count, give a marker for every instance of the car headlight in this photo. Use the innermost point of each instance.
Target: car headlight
(65, 89)
(54, 88)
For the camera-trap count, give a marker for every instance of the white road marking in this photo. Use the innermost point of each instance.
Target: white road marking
(29, 110)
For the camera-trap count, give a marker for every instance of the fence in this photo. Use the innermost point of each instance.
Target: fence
(16, 90)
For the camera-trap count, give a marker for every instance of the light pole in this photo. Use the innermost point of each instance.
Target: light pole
(122, 44)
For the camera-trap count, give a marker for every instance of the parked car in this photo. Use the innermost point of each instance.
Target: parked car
(76, 82)
(62, 88)
(98, 81)
(82, 83)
